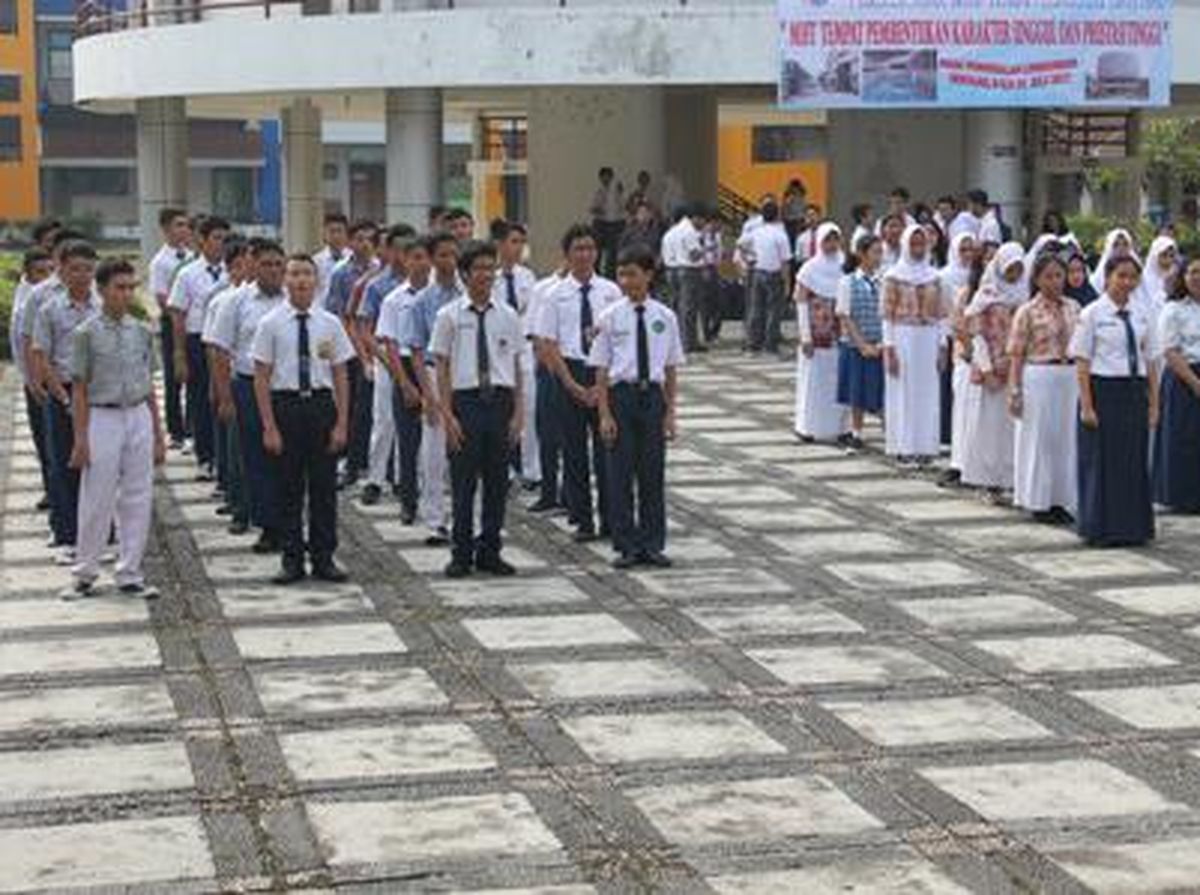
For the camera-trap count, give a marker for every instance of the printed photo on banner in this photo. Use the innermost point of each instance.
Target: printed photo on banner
(963, 53)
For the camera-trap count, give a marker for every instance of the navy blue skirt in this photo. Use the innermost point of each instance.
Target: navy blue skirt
(1114, 467)
(1177, 446)
(860, 380)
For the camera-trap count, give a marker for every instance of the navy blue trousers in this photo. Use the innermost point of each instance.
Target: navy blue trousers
(408, 438)
(260, 479)
(64, 481)
(636, 460)
(199, 409)
(482, 459)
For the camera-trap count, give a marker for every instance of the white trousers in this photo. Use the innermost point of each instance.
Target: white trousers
(118, 482)
(531, 460)
(433, 471)
(383, 427)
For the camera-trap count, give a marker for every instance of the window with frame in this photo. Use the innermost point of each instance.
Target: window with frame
(10, 138)
(10, 88)
(773, 143)
(233, 193)
(58, 54)
(8, 16)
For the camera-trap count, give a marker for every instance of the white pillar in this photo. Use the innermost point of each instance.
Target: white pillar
(994, 159)
(573, 133)
(413, 154)
(302, 157)
(691, 142)
(162, 155)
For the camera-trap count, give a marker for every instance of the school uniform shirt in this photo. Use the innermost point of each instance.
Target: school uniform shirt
(326, 260)
(416, 327)
(38, 296)
(608, 203)
(456, 335)
(1101, 339)
(375, 292)
(392, 313)
(964, 222)
(537, 297)
(681, 245)
(165, 264)
(237, 323)
(219, 300)
(277, 342)
(767, 248)
(341, 284)
(559, 313)
(990, 230)
(16, 326)
(710, 246)
(514, 287)
(115, 357)
(615, 345)
(806, 244)
(1179, 329)
(57, 320)
(195, 284)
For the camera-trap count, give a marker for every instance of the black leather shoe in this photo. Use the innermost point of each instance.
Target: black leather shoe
(238, 527)
(371, 495)
(224, 510)
(266, 543)
(494, 565)
(289, 574)
(625, 561)
(658, 560)
(408, 516)
(585, 536)
(327, 570)
(439, 538)
(458, 569)
(44, 503)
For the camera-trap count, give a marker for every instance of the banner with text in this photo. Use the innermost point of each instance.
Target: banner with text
(960, 53)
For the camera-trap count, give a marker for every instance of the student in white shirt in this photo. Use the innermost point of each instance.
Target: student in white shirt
(303, 393)
(477, 341)
(1114, 347)
(768, 258)
(981, 209)
(566, 324)
(175, 252)
(36, 266)
(193, 287)
(546, 392)
(514, 285)
(683, 256)
(335, 250)
(635, 353)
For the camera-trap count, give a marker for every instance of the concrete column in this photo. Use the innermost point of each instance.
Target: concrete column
(573, 133)
(413, 154)
(691, 142)
(993, 156)
(302, 158)
(162, 156)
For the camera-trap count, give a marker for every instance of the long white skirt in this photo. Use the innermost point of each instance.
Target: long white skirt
(818, 414)
(1045, 473)
(961, 383)
(987, 457)
(912, 400)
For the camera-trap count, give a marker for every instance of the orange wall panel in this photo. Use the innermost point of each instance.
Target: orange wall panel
(19, 188)
(737, 171)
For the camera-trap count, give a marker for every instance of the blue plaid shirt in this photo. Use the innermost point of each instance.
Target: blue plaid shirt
(377, 290)
(417, 327)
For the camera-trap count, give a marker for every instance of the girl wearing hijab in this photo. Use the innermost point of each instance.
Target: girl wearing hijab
(818, 414)
(1042, 396)
(1114, 348)
(955, 279)
(1079, 285)
(860, 364)
(1158, 280)
(987, 456)
(914, 329)
(891, 229)
(1177, 446)
(1117, 244)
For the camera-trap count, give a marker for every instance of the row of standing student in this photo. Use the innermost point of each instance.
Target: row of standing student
(1033, 373)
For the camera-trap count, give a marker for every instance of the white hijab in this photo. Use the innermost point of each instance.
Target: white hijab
(994, 288)
(908, 269)
(956, 275)
(821, 273)
(1154, 284)
(1109, 242)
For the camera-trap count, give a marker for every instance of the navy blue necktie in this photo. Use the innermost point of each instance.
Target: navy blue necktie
(585, 319)
(1131, 347)
(483, 360)
(510, 285)
(304, 357)
(643, 348)
(214, 271)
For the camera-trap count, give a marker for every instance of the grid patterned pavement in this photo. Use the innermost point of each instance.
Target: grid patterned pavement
(851, 681)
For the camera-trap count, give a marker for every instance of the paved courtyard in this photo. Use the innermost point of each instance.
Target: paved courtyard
(851, 681)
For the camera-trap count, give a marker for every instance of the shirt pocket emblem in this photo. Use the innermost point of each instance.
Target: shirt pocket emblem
(658, 327)
(325, 349)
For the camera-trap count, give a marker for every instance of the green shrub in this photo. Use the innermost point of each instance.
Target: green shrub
(10, 274)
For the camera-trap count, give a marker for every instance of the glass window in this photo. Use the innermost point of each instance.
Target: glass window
(58, 54)
(10, 138)
(10, 88)
(787, 143)
(233, 193)
(8, 16)
(95, 181)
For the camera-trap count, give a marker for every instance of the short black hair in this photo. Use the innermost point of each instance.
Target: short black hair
(42, 228)
(900, 193)
(235, 248)
(431, 241)
(638, 254)
(1116, 261)
(398, 232)
(211, 225)
(947, 200)
(473, 250)
(267, 247)
(111, 268)
(606, 171)
(577, 232)
(33, 256)
(457, 214)
(304, 258)
(361, 225)
(78, 248)
(435, 212)
(167, 216)
(860, 212)
(770, 212)
(65, 235)
(978, 197)
(336, 217)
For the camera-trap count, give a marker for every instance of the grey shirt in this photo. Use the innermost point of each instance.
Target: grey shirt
(115, 358)
(57, 318)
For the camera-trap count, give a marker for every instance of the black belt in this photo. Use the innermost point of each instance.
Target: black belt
(492, 392)
(117, 406)
(246, 377)
(1057, 362)
(297, 393)
(640, 387)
